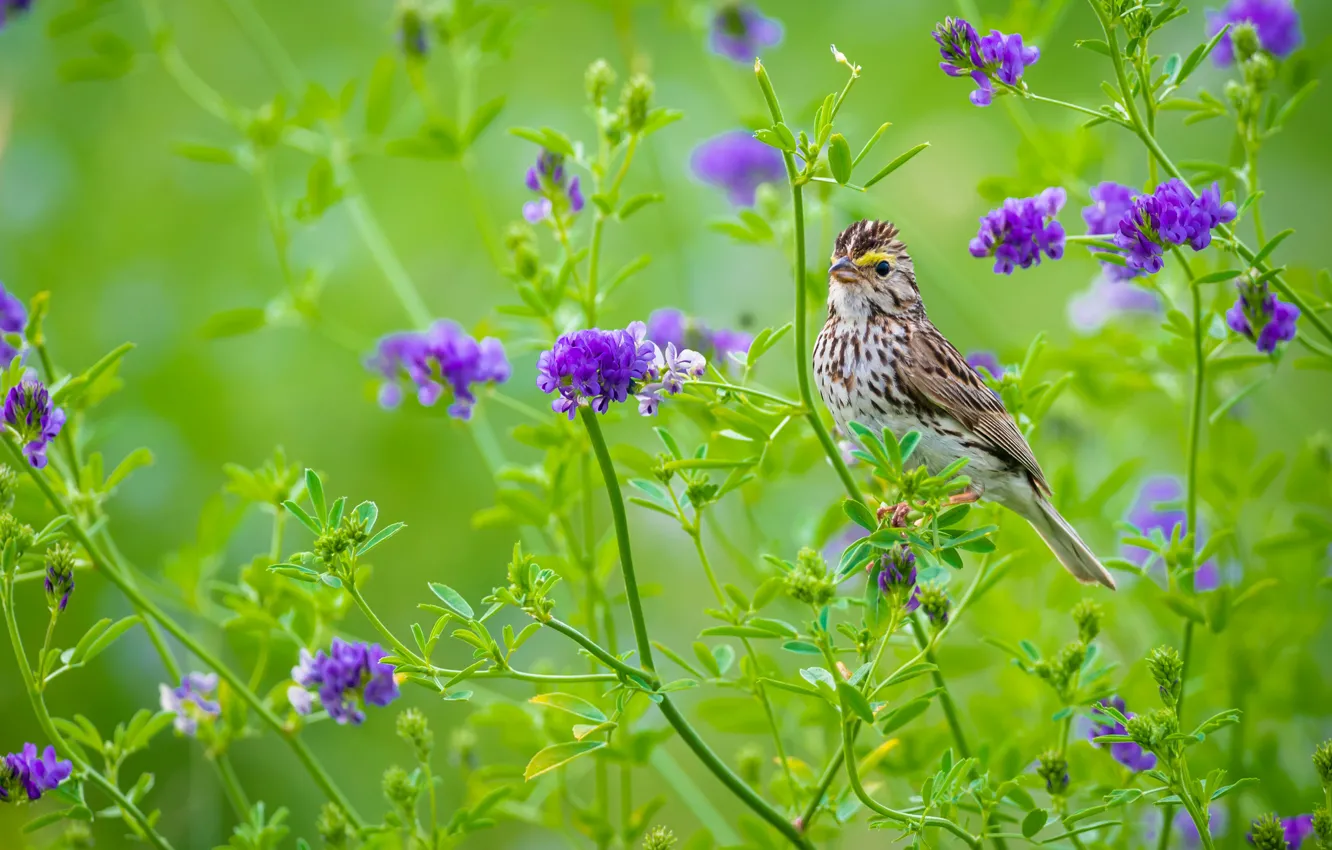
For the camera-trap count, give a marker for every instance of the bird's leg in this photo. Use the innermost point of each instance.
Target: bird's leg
(965, 497)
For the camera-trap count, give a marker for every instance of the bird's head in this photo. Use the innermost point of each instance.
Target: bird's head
(871, 272)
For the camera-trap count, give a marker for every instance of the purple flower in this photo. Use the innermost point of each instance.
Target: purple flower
(1110, 203)
(669, 326)
(987, 361)
(1260, 308)
(59, 582)
(1147, 515)
(740, 32)
(738, 163)
(192, 701)
(1132, 756)
(1018, 232)
(7, 6)
(1276, 22)
(346, 678)
(442, 357)
(1172, 215)
(35, 420)
(13, 315)
(548, 179)
(897, 578)
(26, 771)
(1106, 298)
(987, 59)
(595, 368)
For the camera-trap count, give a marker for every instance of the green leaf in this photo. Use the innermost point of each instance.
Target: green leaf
(204, 153)
(315, 488)
(904, 714)
(869, 146)
(860, 514)
(481, 119)
(839, 158)
(108, 637)
(1218, 277)
(896, 164)
(558, 755)
(738, 631)
(302, 517)
(637, 202)
(384, 534)
(570, 704)
(1266, 250)
(854, 702)
(134, 460)
(1034, 822)
(77, 386)
(1095, 45)
(452, 600)
(234, 322)
(1184, 607)
(379, 96)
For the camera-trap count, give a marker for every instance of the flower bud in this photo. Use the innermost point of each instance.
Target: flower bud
(1150, 730)
(333, 827)
(1322, 759)
(1322, 827)
(413, 728)
(749, 764)
(400, 788)
(659, 838)
(1087, 614)
(462, 747)
(1244, 36)
(13, 531)
(935, 603)
(8, 486)
(521, 244)
(59, 576)
(809, 581)
(1053, 768)
(1237, 94)
(1166, 668)
(1260, 71)
(1268, 833)
(413, 33)
(634, 100)
(598, 81)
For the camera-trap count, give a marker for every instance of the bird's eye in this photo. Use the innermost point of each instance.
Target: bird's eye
(883, 268)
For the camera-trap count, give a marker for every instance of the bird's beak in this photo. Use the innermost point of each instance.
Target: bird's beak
(843, 271)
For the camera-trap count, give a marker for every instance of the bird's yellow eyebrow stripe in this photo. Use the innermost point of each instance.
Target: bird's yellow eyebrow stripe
(869, 258)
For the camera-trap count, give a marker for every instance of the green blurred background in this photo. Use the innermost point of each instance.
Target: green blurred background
(137, 244)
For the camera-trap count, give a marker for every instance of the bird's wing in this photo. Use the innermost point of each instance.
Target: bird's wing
(936, 375)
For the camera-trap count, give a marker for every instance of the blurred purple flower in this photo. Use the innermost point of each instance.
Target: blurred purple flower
(1184, 827)
(13, 316)
(669, 326)
(1091, 310)
(1132, 756)
(986, 360)
(548, 179)
(738, 163)
(740, 32)
(346, 678)
(1257, 306)
(191, 702)
(1018, 232)
(9, 6)
(32, 774)
(35, 420)
(594, 368)
(1276, 22)
(1147, 515)
(1172, 215)
(441, 357)
(1110, 203)
(985, 58)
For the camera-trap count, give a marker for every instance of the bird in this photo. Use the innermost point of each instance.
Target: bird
(881, 362)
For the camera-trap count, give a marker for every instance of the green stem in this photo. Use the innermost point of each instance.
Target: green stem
(853, 774)
(231, 786)
(945, 696)
(732, 388)
(131, 811)
(1256, 206)
(150, 608)
(355, 593)
(621, 536)
(598, 652)
(801, 314)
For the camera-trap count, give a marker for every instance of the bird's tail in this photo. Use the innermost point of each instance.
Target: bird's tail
(1066, 545)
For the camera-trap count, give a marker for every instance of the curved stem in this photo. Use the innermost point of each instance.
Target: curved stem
(151, 610)
(621, 535)
(732, 388)
(355, 593)
(945, 697)
(231, 785)
(600, 653)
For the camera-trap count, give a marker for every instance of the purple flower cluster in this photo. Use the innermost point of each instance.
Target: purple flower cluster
(1172, 215)
(59, 583)
(1257, 307)
(13, 315)
(1148, 515)
(32, 774)
(7, 6)
(595, 368)
(897, 578)
(1018, 232)
(348, 676)
(738, 163)
(740, 32)
(1276, 22)
(669, 326)
(442, 357)
(34, 418)
(193, 701)
(547, 179)
(1127, 753)
(1111, 202)
(995, 57)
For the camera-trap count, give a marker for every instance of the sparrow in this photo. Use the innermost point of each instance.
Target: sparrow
(880, 361)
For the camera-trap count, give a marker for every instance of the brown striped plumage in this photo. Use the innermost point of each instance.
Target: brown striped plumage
(880, 361)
